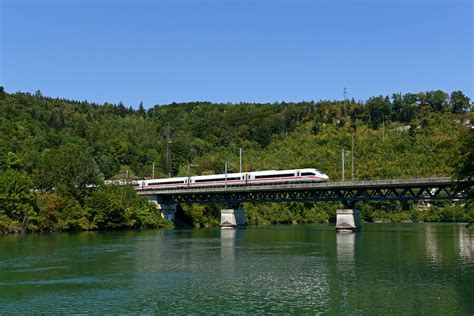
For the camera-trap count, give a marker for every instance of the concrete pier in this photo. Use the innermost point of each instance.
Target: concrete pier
(167, 208)
(347, 220)
(232, 217)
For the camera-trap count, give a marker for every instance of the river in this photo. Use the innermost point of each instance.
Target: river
(385, 268)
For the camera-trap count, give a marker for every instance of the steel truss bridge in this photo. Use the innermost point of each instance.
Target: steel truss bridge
(420, 189)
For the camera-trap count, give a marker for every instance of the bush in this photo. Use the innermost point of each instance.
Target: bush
(118, 207)
(199, 215)
(17, 202)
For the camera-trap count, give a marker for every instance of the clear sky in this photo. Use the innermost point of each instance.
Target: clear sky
(234, 50)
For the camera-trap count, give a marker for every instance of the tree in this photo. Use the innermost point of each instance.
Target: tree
(70, 169)
(379, 109)
(437, 100)
(398, 105)
(17, 199)
(116, 206)
(121, 109)
(465, 162)
(459, 102)
(66, 145)
(409, 109)
(13, 162)
(141, 110)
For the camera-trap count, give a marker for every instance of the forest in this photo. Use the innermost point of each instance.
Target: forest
(56, 153)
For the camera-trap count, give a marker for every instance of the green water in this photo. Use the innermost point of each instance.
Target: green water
(386, 268)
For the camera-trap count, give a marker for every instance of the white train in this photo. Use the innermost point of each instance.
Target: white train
(245, 178)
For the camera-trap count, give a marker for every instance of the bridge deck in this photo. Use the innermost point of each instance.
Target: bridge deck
(346, 192)
(341, 185)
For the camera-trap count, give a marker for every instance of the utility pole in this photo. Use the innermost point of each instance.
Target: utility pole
(345, 101)
(190, 165)
(383, 129)
(353, 170)
(168, 152)
(187, 173)
(153, 171)
(240, 159)
(342, 156)
(225, 167)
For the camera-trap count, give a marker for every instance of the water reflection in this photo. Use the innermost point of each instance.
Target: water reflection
(279, 269)
(431, 245)
(228, 236)
(345, 245)
(466, 244)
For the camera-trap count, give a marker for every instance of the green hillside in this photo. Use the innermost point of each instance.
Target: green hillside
(55, 153)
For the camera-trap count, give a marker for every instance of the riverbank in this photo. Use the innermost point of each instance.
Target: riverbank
(110, 207)
(316, 213)
(121, 209)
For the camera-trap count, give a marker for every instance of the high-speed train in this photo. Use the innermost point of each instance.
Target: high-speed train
(245, 178)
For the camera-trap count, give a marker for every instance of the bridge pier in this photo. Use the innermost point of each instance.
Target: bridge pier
(232, 217)
(347, 220)
(167, 208)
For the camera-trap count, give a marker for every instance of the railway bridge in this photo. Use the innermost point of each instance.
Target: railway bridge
(348, 193)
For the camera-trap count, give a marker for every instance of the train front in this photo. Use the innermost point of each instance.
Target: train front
(322, 175)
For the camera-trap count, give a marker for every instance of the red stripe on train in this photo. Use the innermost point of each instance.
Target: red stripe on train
(231, 181)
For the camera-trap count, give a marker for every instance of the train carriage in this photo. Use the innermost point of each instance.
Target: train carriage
(232, 179)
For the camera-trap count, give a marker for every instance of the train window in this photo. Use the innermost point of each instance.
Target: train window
(275, 176)
(307, 174)
(206, 180)
(219, 179)
(167, 182)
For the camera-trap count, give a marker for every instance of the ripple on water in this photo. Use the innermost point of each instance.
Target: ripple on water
(406, 269)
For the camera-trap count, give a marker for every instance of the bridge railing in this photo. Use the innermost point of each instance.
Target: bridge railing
(304, 185)
(398, 177)
(396, 180)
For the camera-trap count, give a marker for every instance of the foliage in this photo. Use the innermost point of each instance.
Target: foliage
(199, 215)
(465, 161)
(390, 212)
(110, 207)
(69, 169)
(68, 147)
(17, 202)
(290, 213)
(115, 206)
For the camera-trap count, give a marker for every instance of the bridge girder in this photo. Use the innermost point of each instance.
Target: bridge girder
(447, 190)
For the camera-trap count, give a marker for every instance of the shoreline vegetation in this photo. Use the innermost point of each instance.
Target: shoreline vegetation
(55, 155)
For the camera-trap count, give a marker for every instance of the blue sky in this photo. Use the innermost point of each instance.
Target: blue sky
(234, 50)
